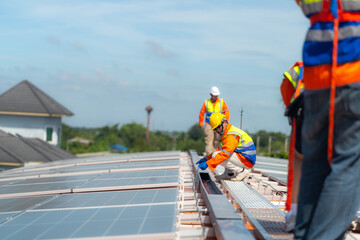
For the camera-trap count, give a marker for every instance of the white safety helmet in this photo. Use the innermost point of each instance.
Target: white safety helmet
(214, 91)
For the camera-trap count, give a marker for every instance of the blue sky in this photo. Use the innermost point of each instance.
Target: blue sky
(107, 60)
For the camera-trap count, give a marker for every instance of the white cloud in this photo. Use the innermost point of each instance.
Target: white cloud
(54, 40)
(159, 50)
(78, 45)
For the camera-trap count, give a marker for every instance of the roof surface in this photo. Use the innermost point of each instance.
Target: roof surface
(18, 150)
(27, 99)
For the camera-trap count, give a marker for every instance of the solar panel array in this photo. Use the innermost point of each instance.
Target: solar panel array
(277, 168)
(110, 196)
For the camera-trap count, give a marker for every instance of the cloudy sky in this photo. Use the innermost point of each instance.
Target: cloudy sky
(107, 60)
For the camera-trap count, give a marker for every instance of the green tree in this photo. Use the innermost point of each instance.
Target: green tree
(130, 132)
(277, 143)
(133, 136)
(196, 132)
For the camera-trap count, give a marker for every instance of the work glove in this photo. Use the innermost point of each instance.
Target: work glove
(201, 160)
(203, 165)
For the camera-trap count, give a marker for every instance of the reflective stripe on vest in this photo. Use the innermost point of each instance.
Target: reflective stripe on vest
(210, 108)
(350, 5)
(295, 75)
(311, 7)
(318, 44)
(245, 146)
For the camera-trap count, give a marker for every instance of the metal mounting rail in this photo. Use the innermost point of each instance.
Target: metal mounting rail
(266, 218)
(226, 221)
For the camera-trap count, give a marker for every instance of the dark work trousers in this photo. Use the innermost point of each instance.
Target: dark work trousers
(329, 195)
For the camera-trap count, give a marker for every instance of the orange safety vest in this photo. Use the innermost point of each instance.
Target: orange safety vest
(331, 52)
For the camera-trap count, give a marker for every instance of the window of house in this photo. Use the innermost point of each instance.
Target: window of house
(59, 135)
(49, 132)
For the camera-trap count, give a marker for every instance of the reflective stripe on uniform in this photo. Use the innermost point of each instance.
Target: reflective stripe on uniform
(226, 152)
(310, 7)
(245, 145)
(293, 75)
(350, 5)
(345, 31)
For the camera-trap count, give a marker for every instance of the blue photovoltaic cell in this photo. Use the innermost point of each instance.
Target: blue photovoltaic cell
(272, 160)
(282, 177)
(134, 156)
(266, 165)
(20, 203)
(57, 179)
(139, 174)
(38, 187)
(271, 167)
(3, 183)
(94, 222)
(116, 166)
(113, 198)
(4, 216)
(99, 183)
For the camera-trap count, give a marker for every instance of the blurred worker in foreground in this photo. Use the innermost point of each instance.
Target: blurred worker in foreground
(236, 151)
(291, 92)
(329, 194)
(211, 105)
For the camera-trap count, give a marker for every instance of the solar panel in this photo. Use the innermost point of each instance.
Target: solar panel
(20, 203)
(139, 174)
(3, 183)
(148, 208)
(10, 207)
(4, 216)
(38, 188)
(271, 167)
(113, 198)
(97, 214)
(106, 166)
(128, 183)
(81, 223)
(56, 179)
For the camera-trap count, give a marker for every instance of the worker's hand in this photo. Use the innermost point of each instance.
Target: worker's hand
(203, 165)
(201, 160)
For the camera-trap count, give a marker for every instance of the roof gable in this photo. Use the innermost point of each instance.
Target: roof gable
(26, 99)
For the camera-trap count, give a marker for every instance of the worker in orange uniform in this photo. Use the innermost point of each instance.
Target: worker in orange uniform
(329, 194)
(291, 92)
(212, 105)
(236, 152)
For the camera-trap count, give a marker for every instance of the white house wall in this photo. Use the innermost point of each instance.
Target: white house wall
(32, 127)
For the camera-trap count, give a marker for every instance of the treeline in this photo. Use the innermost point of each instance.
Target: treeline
(133, 136)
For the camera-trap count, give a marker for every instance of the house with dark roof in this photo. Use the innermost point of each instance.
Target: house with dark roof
(27, 111)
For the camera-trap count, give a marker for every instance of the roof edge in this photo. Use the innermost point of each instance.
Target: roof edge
(34, 114)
